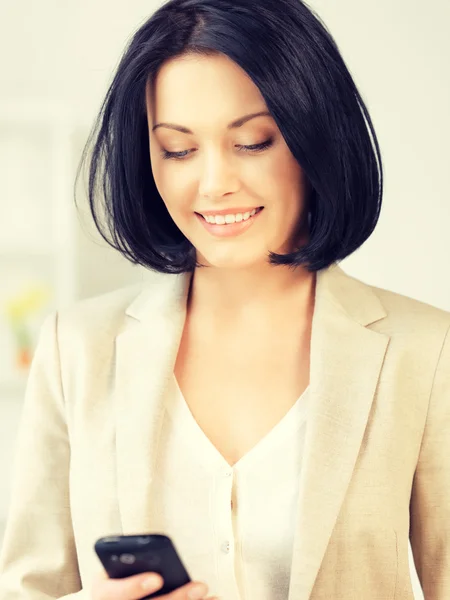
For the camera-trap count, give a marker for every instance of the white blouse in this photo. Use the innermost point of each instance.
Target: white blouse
(232, 526)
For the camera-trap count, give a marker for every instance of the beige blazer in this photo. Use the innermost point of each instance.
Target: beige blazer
(376, 469)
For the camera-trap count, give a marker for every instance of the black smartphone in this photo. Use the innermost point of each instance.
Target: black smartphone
(126, 555)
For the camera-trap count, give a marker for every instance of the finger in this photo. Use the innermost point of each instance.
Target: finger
(101, 574)
(195, 590)
(128, 588)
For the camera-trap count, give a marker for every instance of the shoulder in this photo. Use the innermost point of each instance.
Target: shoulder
(406, 312)
(103, 311)
(105, 315)
(387, 311)
(417, 330)
(415, 325)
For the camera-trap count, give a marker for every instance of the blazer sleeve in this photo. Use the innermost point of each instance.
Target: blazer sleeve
(430, 498)
(38, 559)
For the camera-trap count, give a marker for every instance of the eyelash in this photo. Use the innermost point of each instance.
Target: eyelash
(253, 148)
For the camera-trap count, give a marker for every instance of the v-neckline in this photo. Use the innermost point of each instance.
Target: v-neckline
(289, 423)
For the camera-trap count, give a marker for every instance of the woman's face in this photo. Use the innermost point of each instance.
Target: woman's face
(213, 174)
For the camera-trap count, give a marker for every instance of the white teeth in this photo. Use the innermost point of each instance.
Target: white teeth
(227, 219)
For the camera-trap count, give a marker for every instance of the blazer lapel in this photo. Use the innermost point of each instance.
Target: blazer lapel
(345, 363)
(145, 356)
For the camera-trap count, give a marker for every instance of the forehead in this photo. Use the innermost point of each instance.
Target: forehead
(198, 90)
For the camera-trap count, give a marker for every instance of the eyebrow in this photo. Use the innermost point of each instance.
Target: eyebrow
(233, 125)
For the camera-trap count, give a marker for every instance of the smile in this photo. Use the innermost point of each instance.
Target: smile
(228, 219)
(229, 225)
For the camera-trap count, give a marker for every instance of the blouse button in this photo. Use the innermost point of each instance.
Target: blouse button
(225, 547)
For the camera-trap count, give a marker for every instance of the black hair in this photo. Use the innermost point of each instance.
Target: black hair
(291, 57)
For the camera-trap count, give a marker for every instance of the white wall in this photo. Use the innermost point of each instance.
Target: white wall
(398, 53)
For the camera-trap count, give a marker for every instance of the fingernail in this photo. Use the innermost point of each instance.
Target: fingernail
(197, 592)
(152, 582)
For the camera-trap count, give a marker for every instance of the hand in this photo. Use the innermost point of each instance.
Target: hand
(131, 588)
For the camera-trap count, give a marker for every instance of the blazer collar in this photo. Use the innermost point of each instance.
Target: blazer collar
(345, 364)
(163, 294)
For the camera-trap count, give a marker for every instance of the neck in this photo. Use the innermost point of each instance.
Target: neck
(250, 293)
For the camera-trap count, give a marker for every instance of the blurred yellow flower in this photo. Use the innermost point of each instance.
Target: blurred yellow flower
(29, 301)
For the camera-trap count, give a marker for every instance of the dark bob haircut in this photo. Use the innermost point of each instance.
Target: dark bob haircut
(293, 60)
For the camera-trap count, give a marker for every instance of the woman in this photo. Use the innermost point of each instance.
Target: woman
(285, 423)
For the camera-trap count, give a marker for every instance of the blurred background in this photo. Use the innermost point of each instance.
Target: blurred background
(57, 58)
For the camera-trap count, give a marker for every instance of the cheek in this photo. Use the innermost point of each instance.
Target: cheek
(283, 184)
(169, 187)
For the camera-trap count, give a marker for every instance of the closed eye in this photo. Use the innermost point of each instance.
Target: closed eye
(255, 148)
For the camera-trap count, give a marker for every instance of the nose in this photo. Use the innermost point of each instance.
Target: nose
(218, 176)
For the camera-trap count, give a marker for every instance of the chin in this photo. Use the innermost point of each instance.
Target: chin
(236, 261)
